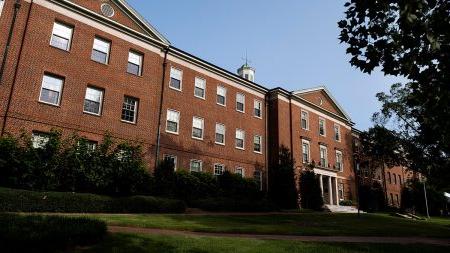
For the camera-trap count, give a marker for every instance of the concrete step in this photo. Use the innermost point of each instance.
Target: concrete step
(342, 209)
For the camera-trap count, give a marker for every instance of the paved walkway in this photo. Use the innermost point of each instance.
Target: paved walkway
(346, 239)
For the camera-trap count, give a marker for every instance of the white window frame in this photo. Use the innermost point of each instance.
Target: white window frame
(220, 165)
(55, 24)
(175, 158)
(195, 160)
(224, 134)
(96, 38)
(338, 127)
(178, 121)
(197, 82)
(259, 103)
(243, 102)
(202, 127)
(139, 64)
(243, 139)
(39, 139)
(260, 144)
(322, 147)
(172, 71)
(60, 90)
(2, 3)
(339, 153)
(309, 151)
(324, 127)
(136, 109)
(101, 100)
(242, 171)
(307, 119)
(225, 95)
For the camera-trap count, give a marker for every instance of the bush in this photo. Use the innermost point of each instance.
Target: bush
(346, 203)
(234, 205)
(71, 165)
(371, 197)
(47, 233)
(413, 199)
(310, 192)
(27, 201)
(282, 190)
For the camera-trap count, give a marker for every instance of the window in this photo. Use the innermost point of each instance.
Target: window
(196, 166)
(240, 102)
(257, 176)
(129, 109)
(2, 2)
(258, 108)
(306, 151)
(322, 127)
(341, 191)
(172, 159)
(221, 95)
(395, 178)
(339, 161)
(389, 178)
(197, 128)
(39, 140)
(323, 156)
(218, 169)
(176, 77)
(93, 101)
(51, 90)
(173, 120)
(91, 145)
(257, 144)
(220, 134)
(240, 137)
(397, 199)
(305, 120)
(200, 88)
(134, 63)
(100, 50)
(61, 35)
(337, 133)
(392, 199)
(240, 171)
(399, 179)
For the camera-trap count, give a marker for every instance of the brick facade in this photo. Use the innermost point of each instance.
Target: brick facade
(31, 56)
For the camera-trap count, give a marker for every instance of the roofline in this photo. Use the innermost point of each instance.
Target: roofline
(144, 21)
(291, 95)
(329, 94)
(218, 70)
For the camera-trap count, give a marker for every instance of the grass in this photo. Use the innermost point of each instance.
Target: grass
(324, 224)
(131, 243)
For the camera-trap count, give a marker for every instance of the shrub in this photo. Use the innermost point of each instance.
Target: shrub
(310, 192)
(234, 205)
(47, 233)
(371, 197)
(282, 190)
(235, 186)
(413, 199)
(27, 201)
(71, 165)
(346, 203)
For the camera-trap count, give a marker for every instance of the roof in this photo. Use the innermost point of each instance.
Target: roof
(328, 93)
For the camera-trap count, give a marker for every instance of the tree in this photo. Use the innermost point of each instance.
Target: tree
(310, 192)
(283, 191)
(409, 39)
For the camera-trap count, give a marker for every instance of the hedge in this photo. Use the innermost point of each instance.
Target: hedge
(234, 205)
(47, 233)
(27, 201)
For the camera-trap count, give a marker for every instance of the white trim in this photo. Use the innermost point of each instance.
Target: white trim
(260, 144)
(217, 94)
(342, 160)
(243, 107)
(261, 109)
(203, 128)
(307, 119)
(322, 147)
(204, 89)
(339, 132)
(243, 140)
(62, 79)
(309, 150)
(2, 3)
(325, 173)
(181, 78)
(224, 134)
(214, 169)
(240, 168)
(101, 100)
(178, 123)
(324, 127)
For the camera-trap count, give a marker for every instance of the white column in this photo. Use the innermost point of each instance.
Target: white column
(330, 190)
(337, 191)
(321, 184)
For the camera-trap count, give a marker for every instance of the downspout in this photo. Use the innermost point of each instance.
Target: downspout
(8, 105)
(266, 119)
(158, 138)
(17, 6)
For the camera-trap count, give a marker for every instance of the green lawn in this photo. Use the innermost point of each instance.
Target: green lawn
(131, 243)
(303, 224)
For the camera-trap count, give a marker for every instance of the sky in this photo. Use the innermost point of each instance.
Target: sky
(292, 44)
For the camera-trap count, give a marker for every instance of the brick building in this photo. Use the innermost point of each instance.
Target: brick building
(94, 67)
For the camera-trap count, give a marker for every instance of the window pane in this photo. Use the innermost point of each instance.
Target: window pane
(199, 92)
(101, 45)
(51, 89)
(175, 83)
(133, 69)
(135, 58)
(220, 99)
(59, 42)
(99, 56)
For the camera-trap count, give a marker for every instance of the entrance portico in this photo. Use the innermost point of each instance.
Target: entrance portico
(328, 186)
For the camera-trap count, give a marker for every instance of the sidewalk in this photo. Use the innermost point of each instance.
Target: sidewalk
(343, 239)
